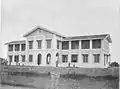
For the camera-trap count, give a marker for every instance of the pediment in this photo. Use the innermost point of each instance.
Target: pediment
(40, 30)
(39, 33)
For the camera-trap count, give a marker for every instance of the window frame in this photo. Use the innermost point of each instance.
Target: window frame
(30, 46)
(84, 47)
(9, 48)
(16, 60)
(23, 47)
(67, 42)
(66, 58)
(85, 58)
(39, 44)
(73, 61)
(47, 46)
(73, 43)
(10, 59)
(30, 58)
(17, 47)
(23, 56)
(95, 45)
(96, 58)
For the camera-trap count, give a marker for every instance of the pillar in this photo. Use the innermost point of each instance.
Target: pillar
(90, 44)
(79, 44)
(69, 45)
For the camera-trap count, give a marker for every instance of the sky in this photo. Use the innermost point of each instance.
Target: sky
(68, 17)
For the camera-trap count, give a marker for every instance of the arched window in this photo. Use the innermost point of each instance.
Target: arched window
(39, 58)
(57, 54)
(48, 58)
(57, 59)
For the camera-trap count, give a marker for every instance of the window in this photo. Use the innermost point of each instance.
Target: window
(23, 47)
(64, 58)
(74, 58)
(17, 47)
(58, 44)
(30, 44)
(30, 58)
(85, 44)
(48, 43)
(65, 45)
(48, 59)
(16, 58)
(96, 43)
(96, 58)
(10, 47)
(23, 58)
(39, 59)
(85, 58)
(39, 43)
(74, 44)
(10, 58)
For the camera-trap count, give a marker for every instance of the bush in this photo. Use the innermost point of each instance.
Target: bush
(114, 64)
(3, 61)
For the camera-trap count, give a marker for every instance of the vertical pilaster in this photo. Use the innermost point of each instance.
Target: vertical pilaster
(26, 56)
(20, 47)
(69, 57)
(44, 43)
(13, 47)
(54, 42)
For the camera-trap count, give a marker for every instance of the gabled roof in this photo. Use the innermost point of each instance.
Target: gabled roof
(15, 42)
(42, 28)
(101, 36)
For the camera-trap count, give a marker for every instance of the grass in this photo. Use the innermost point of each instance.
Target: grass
(17, 85)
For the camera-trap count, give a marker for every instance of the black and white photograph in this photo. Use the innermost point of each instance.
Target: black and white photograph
(59, 44)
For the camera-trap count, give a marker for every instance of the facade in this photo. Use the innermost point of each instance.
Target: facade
(43, 47)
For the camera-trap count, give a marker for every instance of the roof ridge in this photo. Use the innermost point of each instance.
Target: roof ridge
(89, 35)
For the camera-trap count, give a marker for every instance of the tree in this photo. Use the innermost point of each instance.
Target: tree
(114, 64)
(3, 61)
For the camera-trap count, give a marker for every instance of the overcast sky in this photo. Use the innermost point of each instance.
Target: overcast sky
(69, 17)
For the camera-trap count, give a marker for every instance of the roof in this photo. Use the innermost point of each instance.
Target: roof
(42, 28)
(15, 42)
(101, 36)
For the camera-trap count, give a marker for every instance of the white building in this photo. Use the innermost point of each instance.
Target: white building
(43, 47)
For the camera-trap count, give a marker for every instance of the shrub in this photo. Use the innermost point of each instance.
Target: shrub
(114, 64)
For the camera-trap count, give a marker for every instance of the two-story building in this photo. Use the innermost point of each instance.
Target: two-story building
(43, 47)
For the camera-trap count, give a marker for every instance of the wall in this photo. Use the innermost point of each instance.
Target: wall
(43, 35)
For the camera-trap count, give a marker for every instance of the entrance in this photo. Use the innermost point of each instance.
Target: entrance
(39, 59)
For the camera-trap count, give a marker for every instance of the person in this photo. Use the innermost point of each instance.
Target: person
(57, 62)
(69, 64)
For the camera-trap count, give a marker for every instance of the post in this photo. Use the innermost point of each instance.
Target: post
(54, 80)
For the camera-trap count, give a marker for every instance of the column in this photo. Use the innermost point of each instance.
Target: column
(13, 47)
(91, 55)
(26, 53)
(20, 47)
(79, 44)
(69, 57)
(90, 44)
(69, 45)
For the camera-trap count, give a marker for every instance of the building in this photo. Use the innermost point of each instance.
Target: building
(43, 47)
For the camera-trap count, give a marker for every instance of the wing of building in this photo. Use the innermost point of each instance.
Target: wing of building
(43, 47)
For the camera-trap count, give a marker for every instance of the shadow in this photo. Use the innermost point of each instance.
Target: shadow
(17, 85)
